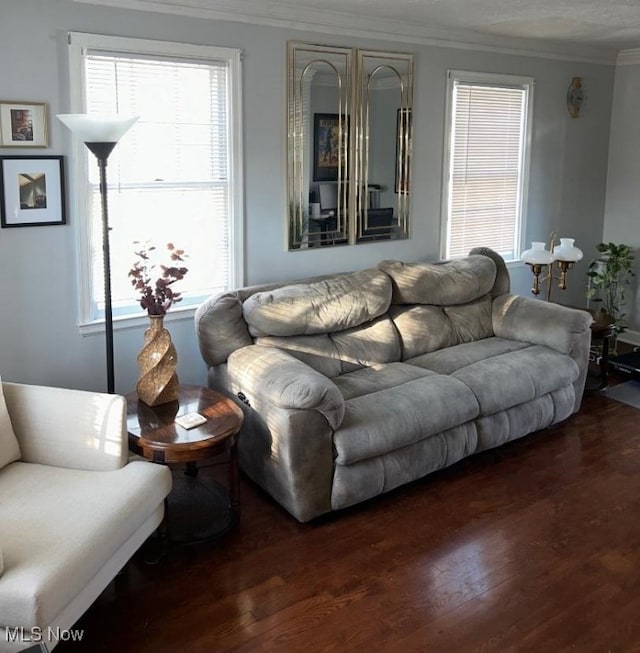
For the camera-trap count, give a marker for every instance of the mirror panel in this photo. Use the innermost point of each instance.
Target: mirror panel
(348, 145)
(385, 94)
(319, 97)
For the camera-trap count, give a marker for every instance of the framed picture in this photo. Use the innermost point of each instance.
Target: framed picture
(326, 150)
(31, 191)
(403, 135)
(23, 124)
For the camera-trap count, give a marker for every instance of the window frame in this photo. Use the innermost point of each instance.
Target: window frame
(78, 44)
(494, 80)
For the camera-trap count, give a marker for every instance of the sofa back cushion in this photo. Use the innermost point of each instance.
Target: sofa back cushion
(441, 284)
(424, 329)
(334, 304)
(340, 352)
(9, 447)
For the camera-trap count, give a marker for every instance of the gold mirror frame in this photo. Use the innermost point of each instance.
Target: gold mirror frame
(385, 96)
(312, 67)
(321, 87)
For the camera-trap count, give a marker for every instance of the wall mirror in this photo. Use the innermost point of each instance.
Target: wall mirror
(384, 151)
(320, 91)
(349, 145)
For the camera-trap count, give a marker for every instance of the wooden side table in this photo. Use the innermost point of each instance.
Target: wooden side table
(199, 507)
(601, 334)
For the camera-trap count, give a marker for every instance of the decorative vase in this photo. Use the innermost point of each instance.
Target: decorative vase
(158, 382)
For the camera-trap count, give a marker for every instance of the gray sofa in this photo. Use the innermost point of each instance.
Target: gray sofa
(357, 383)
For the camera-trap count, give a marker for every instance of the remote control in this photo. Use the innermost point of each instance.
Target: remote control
(190, 420)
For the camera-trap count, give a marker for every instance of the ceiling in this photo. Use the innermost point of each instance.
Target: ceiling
(583, 29)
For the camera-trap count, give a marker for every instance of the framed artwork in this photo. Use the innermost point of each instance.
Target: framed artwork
(32, 191)
(326, 150)
(23, 124)
(403, 135)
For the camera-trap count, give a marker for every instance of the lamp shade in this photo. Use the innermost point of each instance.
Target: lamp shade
(537, 255)
(98, 127)
(566, 251)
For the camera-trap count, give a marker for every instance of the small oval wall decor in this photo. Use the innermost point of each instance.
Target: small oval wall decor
(575, 97)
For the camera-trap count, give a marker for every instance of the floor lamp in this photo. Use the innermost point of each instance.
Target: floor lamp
(537, 258)
(100, 133)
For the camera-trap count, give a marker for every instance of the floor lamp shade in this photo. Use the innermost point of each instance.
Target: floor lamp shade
(98, 127)
(100, 133)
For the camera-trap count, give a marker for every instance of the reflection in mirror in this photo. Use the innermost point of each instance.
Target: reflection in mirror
(319, 92)
(384, 145)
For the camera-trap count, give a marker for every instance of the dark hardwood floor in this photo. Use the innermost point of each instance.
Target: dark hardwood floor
(531, 547)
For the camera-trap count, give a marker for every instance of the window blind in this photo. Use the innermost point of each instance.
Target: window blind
(169, 177)
(486, 168)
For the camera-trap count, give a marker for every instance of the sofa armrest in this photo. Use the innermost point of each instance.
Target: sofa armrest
(267, 375)
(538, 322)
(68, 428)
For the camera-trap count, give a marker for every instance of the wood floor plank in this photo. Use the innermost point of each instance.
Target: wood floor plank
(532, 547)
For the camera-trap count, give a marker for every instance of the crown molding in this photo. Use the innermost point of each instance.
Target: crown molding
(628, 57)
(275, 14)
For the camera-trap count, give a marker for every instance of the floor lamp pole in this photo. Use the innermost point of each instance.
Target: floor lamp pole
(106, 257)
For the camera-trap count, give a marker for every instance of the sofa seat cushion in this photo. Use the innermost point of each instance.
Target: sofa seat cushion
(393, 417)
(59, 526)
(450, 359)
(378, 377)
(516, 377)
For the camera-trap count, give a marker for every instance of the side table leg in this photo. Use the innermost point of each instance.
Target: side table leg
(234, 486)
(604, 363)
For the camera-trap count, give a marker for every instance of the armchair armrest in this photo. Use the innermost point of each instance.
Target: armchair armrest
(267, 375)
(541, 323)
(68, 428)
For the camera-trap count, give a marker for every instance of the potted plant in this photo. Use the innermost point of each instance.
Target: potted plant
(608, 277)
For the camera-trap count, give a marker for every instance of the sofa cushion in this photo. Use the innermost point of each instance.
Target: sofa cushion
(318, 352)
(517, 421)
(396, 417)
(220, 328)
(446, 361)
(344, 351)
(368, 344)
(378, 377)
(513, 378)
(325, 306)
(370, 477)
(60, 527)
(424, 329)
(442, 284)
(9, 447)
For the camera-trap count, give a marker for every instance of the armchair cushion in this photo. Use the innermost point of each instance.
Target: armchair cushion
(9, 447)
(68, 428)
(65, 524)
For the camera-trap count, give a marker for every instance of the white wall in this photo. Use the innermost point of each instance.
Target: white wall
(39, 339)
(622, 213)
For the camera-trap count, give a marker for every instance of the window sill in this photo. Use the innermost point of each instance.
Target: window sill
(136, 321)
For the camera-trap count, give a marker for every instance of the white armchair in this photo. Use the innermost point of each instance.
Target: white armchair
(73, 510)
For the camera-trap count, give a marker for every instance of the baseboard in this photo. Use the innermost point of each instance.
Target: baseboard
(630, 337)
